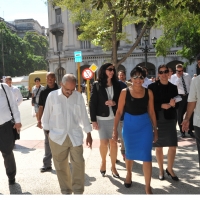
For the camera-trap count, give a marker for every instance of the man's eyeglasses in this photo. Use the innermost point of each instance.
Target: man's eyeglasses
(179, 71)
(111, 69)
(140, 77)
(164, 72)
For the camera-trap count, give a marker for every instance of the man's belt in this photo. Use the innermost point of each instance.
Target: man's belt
(183, 94)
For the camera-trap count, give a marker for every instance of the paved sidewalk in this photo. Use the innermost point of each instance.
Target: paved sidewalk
(29, 152)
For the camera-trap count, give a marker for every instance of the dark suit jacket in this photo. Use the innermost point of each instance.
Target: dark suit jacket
(99, 97)
(172, 92)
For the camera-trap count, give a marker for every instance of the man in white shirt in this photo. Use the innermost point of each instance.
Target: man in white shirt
(147, 81)
(65, 118)
(7, 139)
(15, 90)
(182, 80)
(194, 105)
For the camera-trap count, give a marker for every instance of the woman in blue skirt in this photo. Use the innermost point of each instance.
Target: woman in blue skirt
(139, 128)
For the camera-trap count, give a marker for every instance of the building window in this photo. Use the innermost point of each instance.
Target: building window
(58, 15)
(85, 44)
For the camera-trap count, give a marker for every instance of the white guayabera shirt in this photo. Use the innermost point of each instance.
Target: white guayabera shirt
(194, 96)
(64, 116)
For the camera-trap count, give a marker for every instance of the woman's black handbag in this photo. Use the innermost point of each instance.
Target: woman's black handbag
(15, 133)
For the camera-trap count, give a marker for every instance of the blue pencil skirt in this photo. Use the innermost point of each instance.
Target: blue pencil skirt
(138, 137)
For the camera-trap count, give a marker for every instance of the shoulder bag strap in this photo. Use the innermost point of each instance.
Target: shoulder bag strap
(37, 91)
(7, 101)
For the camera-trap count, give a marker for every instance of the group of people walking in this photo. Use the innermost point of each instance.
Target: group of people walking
(141, 113)
(150, 112)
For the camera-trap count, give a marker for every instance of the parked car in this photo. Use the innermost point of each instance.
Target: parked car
(24, 91)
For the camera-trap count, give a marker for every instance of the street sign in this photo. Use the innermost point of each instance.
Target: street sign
(93, 67)
(78, 56)
(87, 74)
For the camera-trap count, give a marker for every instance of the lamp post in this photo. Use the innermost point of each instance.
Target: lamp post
(60, 71)
(147, 48)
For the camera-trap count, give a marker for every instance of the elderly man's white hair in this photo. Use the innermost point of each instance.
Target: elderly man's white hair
(68, 78)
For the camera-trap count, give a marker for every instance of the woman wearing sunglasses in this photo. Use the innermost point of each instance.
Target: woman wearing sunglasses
(137, 103)
(103, 105)
(165, 109)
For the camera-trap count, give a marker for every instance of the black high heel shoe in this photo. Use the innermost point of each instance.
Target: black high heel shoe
(175, 178)
(103, 173)
(161, 178)
(115, 175)
(127, 185)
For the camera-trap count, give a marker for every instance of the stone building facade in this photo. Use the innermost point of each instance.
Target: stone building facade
(63, 43)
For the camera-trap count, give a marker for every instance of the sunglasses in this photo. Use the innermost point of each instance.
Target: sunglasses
(111, 69)
(164, 72)
(140, 77)
(179, 71)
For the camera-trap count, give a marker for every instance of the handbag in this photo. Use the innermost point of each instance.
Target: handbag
(34, 98)
(15, 133)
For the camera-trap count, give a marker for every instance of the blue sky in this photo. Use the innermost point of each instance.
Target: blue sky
(24, 9)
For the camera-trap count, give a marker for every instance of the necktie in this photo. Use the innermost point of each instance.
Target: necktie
(184, 86)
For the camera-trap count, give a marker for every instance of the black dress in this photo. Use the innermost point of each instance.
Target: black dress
(167, 135)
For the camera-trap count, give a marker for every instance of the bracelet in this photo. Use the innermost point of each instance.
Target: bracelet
(169, 104)
(155, 128)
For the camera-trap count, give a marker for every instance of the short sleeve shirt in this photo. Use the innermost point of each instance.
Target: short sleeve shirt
(35, 90)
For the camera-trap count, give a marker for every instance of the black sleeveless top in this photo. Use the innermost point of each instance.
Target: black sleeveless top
(136, 106)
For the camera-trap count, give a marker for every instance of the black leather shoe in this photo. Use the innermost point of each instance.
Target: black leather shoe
(45, 169)
(11, 182)
(127, 185)
(175, 178)
(191, 134)
(103, 173)
(182, 135)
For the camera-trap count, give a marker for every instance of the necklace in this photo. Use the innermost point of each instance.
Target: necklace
(109, 91)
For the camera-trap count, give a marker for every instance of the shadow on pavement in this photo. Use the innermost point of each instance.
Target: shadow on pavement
(89, 180)
(16, 189)
(23, 149)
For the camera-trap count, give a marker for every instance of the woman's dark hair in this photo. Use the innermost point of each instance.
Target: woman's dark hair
(161, 66)
(37, 79)
(102, 77)
(138, 70)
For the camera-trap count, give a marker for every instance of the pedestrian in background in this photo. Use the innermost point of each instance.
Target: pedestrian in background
(64, 119)
(147, 81)
(7, 139)
(182, 80)
(36, 90)
(51, 86)
(165, 109)
(137, 103)
(122, 79)
(103, 105)
(15, 90)
(170, 73)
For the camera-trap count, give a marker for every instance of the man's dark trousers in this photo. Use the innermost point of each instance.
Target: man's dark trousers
(6, 147)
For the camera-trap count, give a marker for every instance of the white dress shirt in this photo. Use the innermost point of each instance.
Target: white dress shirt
(146, 82)
(194, 96)
(5, 115)
(17, 94)
(178, 82)
(64, 116)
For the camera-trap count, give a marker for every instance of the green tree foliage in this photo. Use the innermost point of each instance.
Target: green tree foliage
(103, 21)
(21, 56)
(181, 28)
